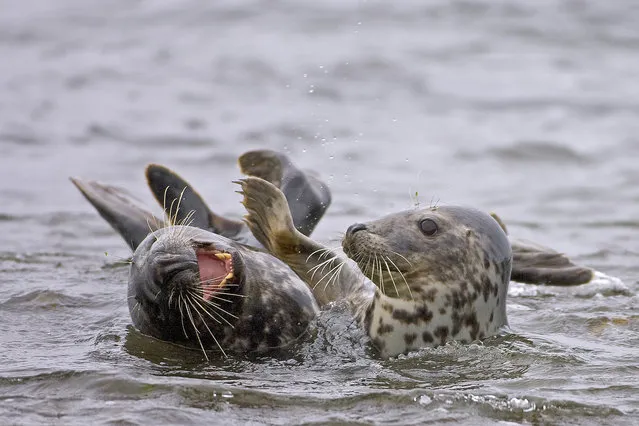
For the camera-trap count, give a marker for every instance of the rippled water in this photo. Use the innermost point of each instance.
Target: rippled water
(529, 109)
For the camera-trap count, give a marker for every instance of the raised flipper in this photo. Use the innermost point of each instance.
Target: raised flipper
(330, 275)
(183, 205)
(123, 211)
(536, 264)
(307, 196)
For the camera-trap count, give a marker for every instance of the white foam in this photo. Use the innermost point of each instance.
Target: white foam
(600, 285)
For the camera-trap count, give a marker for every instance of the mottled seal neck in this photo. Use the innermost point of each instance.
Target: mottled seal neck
(417, 278)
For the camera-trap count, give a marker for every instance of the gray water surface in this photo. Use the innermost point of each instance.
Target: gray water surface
(529, 109)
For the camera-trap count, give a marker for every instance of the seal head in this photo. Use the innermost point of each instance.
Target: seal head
(197, 288)
(446, 268)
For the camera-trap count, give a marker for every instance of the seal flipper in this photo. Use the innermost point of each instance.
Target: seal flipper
(123, 211)
(183, 204)
(307, 196)
(536, 264)
(270, 220)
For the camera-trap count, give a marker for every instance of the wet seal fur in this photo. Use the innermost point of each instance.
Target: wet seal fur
(415, 278)
(252, 303)
(199, 288)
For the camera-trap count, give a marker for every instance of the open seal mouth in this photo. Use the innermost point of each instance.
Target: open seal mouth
(216, 271)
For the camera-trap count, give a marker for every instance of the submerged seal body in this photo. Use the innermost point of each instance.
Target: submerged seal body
(197, 288)
(415, 278)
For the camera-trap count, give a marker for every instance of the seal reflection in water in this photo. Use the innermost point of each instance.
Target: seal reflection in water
(188, 285)
(417, 278)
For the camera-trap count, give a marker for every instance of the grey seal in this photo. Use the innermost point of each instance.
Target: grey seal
(196, 288)
(191, 286)
(416, 278)
(199, 288)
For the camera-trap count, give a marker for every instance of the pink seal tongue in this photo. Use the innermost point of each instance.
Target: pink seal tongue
(215, 270)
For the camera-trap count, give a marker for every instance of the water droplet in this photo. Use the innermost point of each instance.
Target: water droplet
(425, 400)
(331, 157)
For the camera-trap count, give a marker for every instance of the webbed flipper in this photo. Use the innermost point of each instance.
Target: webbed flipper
(123, 211)
(536, 264)
(183, 205)
(307, 196)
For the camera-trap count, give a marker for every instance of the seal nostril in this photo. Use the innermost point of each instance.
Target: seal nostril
(355, 227)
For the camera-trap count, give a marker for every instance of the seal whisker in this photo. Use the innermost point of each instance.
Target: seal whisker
(325, 251)
(216, 305)
(403, 257)
(179, 303)
(326, 275)
(197, 332)
(391, 276)
(170, 297)
(402, 275)
(323, 265)
(201, 297)
(335, 273)
(365, 268)
(207, 328)
(177, 208)
(228, 294)
(195, 298)
(378, 269)
(381, 272)
(213, 279)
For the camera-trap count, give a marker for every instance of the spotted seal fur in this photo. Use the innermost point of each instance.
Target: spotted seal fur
(416, 278)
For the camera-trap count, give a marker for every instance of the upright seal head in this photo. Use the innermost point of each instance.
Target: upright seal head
(445, 267)
(419, 277)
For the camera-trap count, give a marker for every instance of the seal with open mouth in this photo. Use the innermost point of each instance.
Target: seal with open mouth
(419, 278)
(200, 288)
(191, 286)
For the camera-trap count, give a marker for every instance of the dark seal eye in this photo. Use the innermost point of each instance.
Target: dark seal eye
(428, 227)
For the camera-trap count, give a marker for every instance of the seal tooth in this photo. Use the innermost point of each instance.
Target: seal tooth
(223, 282)
(223, 256)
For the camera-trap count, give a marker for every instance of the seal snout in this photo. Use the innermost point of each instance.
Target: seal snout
(355, 228)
